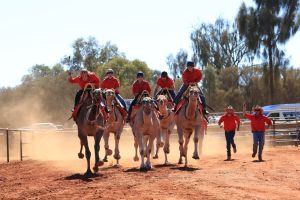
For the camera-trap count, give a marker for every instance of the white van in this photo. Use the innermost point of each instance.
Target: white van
(284, 114)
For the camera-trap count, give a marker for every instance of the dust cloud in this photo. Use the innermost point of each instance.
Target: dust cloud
(61, 148)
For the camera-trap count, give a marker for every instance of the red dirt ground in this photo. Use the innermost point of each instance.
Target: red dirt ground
(209, 178)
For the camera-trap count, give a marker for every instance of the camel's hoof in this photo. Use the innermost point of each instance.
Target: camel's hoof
(155, 157)
(105, 160)
(143, 169)
(99, 164)
(148, 167)
(180, 161)
(117, 157)
(88, 173)
(136, 159)
(96, 169)
(109, 152)
(196, 157)
(80, 155)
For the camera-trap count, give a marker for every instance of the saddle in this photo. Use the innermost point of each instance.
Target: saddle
(184, 100)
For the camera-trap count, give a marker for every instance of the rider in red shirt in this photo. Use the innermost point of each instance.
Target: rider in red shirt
(231, 122)
(191, 75)
(164, 82)
(137, 89)
(111, 82)
(84, 78)
(258, 121)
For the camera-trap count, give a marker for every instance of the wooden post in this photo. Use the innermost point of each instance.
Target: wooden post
(7, 145)
(21, 145)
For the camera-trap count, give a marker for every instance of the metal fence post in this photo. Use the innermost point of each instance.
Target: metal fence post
(7, 145)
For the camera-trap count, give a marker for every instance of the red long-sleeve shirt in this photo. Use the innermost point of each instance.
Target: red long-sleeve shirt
(167, 83)
(110, 83)
(92, 78)
(258, 122)
(194, 76)
(139, 87)
(230, 122)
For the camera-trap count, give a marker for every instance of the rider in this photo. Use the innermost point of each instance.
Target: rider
(190, 75)
(111, 82)
(137, 89)
(84, 78)
(164, 82)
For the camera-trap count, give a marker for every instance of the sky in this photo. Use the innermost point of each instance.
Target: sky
(42, 31)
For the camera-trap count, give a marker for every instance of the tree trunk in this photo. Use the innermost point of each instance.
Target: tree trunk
(271, 77)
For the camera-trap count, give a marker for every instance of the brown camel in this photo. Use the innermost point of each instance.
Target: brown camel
(167, 123)
(114, 124)
(146, 129)
(189, 120)
(90, 122)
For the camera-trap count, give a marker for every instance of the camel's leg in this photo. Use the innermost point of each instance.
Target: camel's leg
(196, 140)
(106, 145)
(186, 143)
(136, 158)
(87, 155)
(80, 154)
(149, 149)
(142, 150)
(180, 141)
(201, 138)
(157, 147)
(97, 139)
(167, 145)
(117, 151)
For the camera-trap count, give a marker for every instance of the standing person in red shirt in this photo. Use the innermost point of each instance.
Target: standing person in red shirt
(191, 75)
(164, 82)
(137, 88)
(84, 78)
(231, 122)
(258, 121)
(111, 82)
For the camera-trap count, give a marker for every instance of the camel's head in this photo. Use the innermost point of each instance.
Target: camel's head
(110, 93)
(162, 100)
(96, 96)
(148, 104)
(194, 93)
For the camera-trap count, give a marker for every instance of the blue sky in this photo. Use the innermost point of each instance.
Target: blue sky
(42, 31)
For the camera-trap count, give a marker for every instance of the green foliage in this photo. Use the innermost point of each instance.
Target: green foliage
(218, 44)
(87, 53)
(269, 23)
(177, 63)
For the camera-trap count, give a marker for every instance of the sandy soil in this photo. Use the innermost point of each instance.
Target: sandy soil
(61, 177)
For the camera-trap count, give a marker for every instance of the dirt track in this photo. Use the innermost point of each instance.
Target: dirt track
(210, 178)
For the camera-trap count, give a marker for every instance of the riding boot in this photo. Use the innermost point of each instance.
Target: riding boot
(254, 150)
(260, 149)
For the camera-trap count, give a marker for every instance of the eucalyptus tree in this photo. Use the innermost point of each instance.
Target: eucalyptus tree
(266, 25)
(218, 44)
(177, 63)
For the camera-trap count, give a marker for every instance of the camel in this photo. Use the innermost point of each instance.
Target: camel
(115, 124)
(167, 123)
(188, 120)
(146, 129)
(134, 111)
(90, 122)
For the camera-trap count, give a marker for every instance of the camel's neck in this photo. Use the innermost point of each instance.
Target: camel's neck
(163, 110)
(191, 109)
(112, 116)
(147, 117)
(93, 113)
